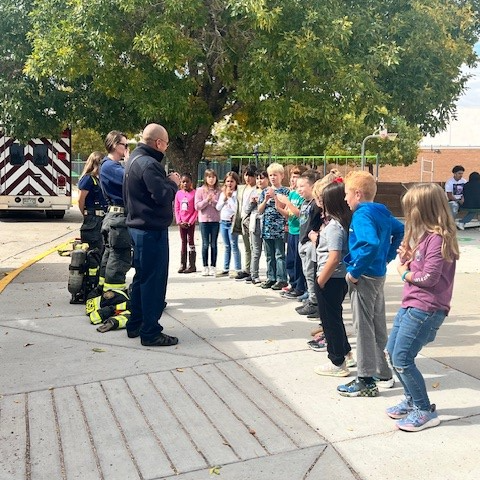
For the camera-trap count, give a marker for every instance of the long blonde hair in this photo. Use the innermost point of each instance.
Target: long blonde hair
(426, 209)
(92, 165)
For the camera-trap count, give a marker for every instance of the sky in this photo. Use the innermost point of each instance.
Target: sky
(463, 132)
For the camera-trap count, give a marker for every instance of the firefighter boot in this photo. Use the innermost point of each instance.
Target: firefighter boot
(183, 263)
(192, 256)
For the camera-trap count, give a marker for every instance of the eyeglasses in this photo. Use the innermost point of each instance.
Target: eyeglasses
(124, 144)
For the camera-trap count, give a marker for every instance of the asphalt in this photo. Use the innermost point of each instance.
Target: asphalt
(236, 399)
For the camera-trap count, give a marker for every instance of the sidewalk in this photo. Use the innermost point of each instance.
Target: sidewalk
(235, 399)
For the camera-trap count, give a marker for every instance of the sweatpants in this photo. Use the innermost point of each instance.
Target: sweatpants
(368, 314)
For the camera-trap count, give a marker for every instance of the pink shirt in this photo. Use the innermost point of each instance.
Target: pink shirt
(207, 211)
(185, 207)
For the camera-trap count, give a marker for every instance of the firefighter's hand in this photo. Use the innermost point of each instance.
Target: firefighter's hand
(174, 177)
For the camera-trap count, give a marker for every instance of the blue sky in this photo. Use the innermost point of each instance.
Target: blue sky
(472, 95)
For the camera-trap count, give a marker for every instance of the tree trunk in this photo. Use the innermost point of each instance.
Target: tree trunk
(185, 152)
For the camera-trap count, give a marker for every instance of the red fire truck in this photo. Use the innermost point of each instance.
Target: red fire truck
(36, 176)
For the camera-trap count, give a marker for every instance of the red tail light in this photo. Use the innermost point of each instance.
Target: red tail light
(62, 156)
(61, 181)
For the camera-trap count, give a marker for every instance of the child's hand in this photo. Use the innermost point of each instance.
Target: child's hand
(313, 236)
(403, 253)
(282, 198)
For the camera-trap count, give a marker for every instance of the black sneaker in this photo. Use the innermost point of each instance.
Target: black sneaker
(248, 279)
(358, 388)
(279, 285)
(241, 275)
(133, 333)
(267, 284)
(256, 281)
(308, 309)
(313, 316)
(292, 295)
(161, 341)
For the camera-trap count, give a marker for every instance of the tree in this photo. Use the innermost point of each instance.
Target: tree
(320, 70)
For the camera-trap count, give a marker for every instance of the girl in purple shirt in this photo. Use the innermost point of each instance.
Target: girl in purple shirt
(427, 258)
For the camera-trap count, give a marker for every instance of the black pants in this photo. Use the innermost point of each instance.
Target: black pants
(330, 299)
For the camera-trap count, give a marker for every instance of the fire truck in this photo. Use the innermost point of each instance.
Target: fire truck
(36, 176)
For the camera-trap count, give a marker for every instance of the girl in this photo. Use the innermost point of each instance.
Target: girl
(331, 287)
(206, 198)
(91, 203)
(227, 206)
(186, 216)
(427, 258)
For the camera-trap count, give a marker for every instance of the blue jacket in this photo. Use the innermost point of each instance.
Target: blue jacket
(374, 236)
(111, 179)
(147, 191)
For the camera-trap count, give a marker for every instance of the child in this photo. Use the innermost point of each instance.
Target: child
(292, 213)
(92, 203)
(310, 220)
(373, 241)
(206, 198)
(227, 206)
(427, 259)
(255, 227)
(273, 231)
(242, 218)
(330, 285)
(186, 216)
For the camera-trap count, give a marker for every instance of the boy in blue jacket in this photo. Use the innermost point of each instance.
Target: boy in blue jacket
(375, 234)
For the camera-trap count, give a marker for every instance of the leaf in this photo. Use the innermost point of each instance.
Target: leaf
(251, 431)
(28, 344)
(215, 470)
(180, 370)
(98, 350)
(435, 385)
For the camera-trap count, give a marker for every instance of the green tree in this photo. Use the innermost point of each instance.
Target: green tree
(320, 70)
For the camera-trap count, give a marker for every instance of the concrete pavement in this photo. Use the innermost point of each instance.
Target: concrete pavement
(235, 399)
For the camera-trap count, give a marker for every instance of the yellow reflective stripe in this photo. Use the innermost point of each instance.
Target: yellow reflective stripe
(113, 286)
(121, 307)
(101, 280)
(122, 319)
(92, 271)
(92, 304)
(95, 317)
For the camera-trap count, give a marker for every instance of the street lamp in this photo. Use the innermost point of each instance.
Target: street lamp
(380, 132)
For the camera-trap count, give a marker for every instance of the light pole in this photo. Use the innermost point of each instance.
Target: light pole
(380, 132)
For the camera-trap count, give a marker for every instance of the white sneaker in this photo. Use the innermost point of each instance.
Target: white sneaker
(460, 226)
(205, 272)
(331, 370)
(212, 271)
(384, 384)
(350, 361)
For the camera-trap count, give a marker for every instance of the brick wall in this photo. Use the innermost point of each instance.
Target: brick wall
(440, 161)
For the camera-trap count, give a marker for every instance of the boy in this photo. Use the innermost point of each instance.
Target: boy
(310, 220)
(273, 232)
(292, 213)
(242, 218)
(255, 226)
(374, 238)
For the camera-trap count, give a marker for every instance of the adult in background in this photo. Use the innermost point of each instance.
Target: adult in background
(454, 189)
(149, 195)
(471, 197)
(117, 257)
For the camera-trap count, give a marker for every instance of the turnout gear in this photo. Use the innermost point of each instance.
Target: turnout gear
(115, 322)
(110, 303)
(83, 271)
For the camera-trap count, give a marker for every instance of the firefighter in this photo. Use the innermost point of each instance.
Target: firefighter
(117, 256)
(91, 203)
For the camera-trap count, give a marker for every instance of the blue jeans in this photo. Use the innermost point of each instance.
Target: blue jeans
(231, 246)
(412, 329)
(209, 231)
(149, 286)
(293, 264)
(275, 255)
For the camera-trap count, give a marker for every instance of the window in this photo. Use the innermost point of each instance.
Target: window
(17, 154)
(40, 155)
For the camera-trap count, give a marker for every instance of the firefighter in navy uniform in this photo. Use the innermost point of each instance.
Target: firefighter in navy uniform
(91, 203)
(117, 257)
